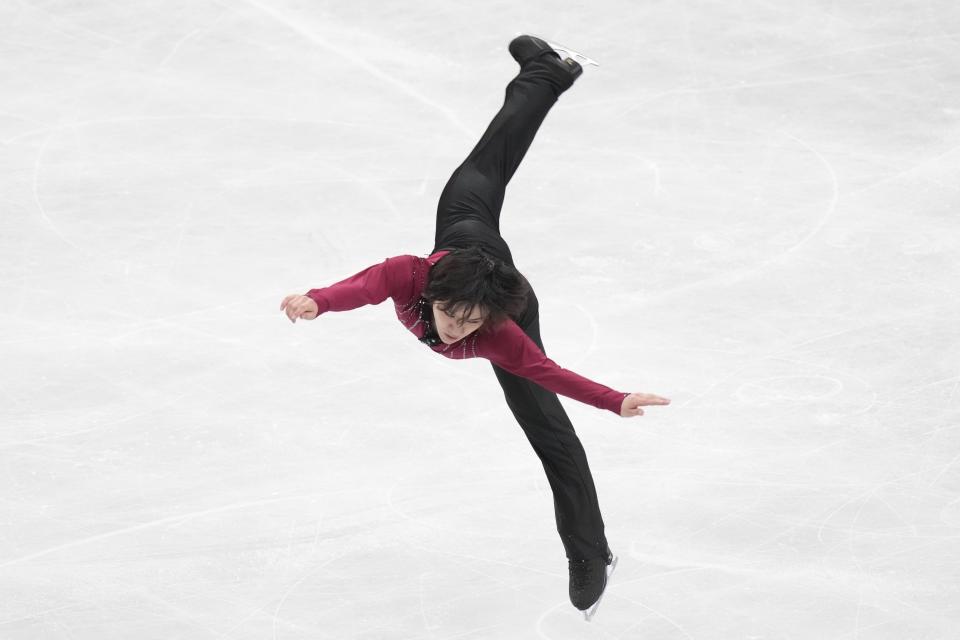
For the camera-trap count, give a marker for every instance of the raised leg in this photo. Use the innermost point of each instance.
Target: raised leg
(475, 190)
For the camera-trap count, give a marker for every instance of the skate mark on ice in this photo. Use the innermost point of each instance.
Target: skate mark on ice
(788, 388)
(352, 58)
(369, 184)
(780, 354)
(494, 500)
(945, 468)
(190, 116)
(922, 164)
(808, 523)
(950, 514)
(180, 613)
(863, 495)
(679, 627)
(594, 332)
(189, 36)
(17, 116)
(56, 22)
(50, 132)
(831, 208)
(275, 616)
(565, 605)
(487, 560)
(423, 609)
(820, 78)
(34, 185)
(97, 426)
(177, 519)
(867, 386)
(693, 88)
(733, 276)
(696, 87)
(847, 52)
(661, 558)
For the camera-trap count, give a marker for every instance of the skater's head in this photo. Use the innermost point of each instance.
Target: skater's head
(471, 290)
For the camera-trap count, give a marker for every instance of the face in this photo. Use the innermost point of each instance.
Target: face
(453, 325)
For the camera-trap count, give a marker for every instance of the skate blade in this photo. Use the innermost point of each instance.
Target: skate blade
(588, 615)
(576, 55)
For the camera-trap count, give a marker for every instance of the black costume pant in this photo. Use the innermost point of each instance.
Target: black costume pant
(469, 214)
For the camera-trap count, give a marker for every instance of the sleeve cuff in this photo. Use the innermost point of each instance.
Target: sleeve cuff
(317, 296)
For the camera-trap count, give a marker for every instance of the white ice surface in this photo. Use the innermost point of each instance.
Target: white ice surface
(750, 207)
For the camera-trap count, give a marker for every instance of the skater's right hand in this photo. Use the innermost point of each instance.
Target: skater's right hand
(298, 306)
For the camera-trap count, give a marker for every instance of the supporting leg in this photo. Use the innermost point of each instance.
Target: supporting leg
(550, 433)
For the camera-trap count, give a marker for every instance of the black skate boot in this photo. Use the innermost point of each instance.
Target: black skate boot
(588, 581)
(526, 48)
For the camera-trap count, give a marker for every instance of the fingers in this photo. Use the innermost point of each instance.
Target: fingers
(293, 307)
(633, 402)
(299, 310)
(299, 307)
(650, 399)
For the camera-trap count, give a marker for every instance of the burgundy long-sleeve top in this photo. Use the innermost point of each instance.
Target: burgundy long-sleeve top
(403, 278)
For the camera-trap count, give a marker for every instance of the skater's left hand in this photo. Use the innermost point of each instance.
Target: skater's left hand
(632, 403)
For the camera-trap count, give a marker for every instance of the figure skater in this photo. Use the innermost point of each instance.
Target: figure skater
(467, 300)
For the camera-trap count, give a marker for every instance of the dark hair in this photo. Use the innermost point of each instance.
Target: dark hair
(471, 277)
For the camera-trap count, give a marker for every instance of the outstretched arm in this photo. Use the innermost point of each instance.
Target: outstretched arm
(373, 285)
(514, 351)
